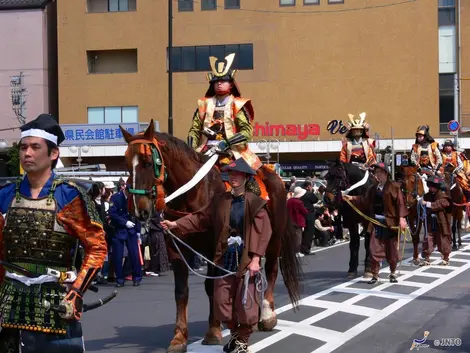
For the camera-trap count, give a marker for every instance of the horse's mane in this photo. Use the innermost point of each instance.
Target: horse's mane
(178, 149)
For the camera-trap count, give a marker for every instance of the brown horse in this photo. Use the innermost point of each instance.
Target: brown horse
(456, 194)
(412, 187)
(159, 164)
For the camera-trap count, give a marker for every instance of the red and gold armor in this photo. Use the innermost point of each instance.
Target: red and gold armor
(359, 149)
(225, 116)
(426, 153)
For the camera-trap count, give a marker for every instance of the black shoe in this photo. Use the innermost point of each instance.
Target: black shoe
(231, 345)
(119, 285)
(136, 283)
(393, 278)
(374, 280)
(241, 347)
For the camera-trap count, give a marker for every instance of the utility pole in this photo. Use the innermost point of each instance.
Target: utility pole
(170, 68)
(18, 101)
(393, 155)
(457, 71)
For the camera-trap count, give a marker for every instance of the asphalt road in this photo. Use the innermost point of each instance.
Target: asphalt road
(336, 315)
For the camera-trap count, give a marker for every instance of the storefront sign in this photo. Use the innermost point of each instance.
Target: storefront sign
(99, 134)
(336, 126)
(301, 131)
(304, 166)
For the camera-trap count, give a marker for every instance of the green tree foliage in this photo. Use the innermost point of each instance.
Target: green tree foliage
(14, 160)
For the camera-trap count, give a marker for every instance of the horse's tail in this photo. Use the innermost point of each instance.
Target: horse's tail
(289, 263)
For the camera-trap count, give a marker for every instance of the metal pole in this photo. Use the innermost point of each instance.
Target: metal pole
(457, 70)
(170, 68)
(393, 156)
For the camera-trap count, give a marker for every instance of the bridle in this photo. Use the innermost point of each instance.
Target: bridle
(156, 192)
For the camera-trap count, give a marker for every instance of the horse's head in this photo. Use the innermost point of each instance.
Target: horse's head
(336, 181)
(147, 173)
(412, 184)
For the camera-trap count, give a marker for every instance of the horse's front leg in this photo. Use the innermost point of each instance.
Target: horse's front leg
(268, 316)
(179, 343)
(454, 231)
(354, 244)
(213, 335)
(459, 227)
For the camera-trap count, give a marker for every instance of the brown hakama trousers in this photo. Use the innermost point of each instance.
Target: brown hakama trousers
(381, 249)
(229, 308)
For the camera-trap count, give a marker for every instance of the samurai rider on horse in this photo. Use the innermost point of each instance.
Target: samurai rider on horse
(223, 120)
(358, 147)
(425, 153)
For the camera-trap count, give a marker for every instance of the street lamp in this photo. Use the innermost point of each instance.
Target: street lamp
(79, 149)
(265, 145)
(3, 143)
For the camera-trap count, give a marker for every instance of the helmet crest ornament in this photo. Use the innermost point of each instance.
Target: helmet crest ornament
(223, 68)
(358, 123)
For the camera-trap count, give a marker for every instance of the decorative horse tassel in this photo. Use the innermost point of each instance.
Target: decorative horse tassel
(160, 204)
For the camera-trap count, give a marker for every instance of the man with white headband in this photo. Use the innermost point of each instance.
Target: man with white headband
(43, 219)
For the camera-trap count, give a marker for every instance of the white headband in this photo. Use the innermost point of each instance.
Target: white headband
(39, 133)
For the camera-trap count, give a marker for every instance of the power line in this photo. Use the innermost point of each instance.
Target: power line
(404, 2)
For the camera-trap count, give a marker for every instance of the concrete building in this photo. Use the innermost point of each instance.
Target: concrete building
(28, 63)
(303, 62)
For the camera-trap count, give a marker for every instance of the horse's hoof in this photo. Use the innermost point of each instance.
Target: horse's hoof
(212, 341)
(416, 262)
(455, 248)
(255, 327)
(178, 348)
(352, 274)
(268, 325)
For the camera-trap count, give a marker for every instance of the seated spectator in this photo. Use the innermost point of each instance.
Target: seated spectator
(323, 227)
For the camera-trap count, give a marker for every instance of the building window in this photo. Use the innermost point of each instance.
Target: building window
(113, 115)
(185, 5)
(94, 6)
(232, 4)
(287, 2)
(311, 2)
(209, 5)
(446, 101)
(196, 58)
(112, 61)
(335, 1)
(446, 12)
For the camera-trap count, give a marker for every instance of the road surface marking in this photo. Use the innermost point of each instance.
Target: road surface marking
(334, 339)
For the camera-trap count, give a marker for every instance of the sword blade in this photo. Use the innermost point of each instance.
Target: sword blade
(196, 179)
(18, 269)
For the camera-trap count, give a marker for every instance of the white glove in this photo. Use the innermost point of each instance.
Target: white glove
(235, 240)
(130, 225)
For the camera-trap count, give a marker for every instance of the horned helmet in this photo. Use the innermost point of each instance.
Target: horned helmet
(424, 130)
(355, 124)
(222, 71)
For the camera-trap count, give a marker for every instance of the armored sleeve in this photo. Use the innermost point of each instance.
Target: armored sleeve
(2, 224)
(414, 156)
(196, 129)
(80, 220)
(343, 155)
(438, 155)
(243, 124)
